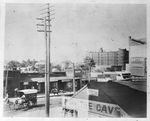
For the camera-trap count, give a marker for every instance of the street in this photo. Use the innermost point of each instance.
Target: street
(38, 110)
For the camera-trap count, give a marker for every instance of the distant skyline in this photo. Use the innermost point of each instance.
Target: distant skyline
(75, 29)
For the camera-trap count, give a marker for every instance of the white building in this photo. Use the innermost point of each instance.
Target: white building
(138, 57)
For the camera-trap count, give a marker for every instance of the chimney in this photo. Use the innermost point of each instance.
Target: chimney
(101, 49)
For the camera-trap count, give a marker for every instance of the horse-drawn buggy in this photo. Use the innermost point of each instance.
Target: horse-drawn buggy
(26, 97)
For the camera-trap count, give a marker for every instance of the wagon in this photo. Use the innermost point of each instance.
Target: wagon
(29, 95)
(26, 97)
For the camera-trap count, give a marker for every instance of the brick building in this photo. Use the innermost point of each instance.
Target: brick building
(111, 58)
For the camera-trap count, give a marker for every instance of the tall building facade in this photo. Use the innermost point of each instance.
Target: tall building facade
(112, 58)
(123, 57)
(138, 58)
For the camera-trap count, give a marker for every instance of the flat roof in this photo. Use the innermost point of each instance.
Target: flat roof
(52, 79)
(132, 101)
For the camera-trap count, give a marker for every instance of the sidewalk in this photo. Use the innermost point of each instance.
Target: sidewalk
(54, 113)
(52, 95)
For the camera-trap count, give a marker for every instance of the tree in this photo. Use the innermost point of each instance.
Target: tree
(66, 64)
(89, 62)
(33, 68)
(82, 66)
(13, 64)
(57, 66)
(33, 62)
(28, 63)
(23, 64)
(41, 68)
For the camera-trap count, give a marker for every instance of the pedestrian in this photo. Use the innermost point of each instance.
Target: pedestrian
(70, 89)
(16, 92)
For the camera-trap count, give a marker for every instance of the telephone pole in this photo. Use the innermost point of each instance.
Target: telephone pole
(6, 81)
(46, 19)
(74, 88)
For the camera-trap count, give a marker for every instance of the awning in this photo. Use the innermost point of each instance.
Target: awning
(52, 79)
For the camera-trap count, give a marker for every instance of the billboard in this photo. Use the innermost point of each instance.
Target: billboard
(138, 66)
(77, 72)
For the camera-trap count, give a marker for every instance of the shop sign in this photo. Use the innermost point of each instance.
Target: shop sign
(93, 92)
(25, 83)
(101, 108)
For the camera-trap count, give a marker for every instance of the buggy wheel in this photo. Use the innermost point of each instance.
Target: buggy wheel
(34, 102)
(28, 104)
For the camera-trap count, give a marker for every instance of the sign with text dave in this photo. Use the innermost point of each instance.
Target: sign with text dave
(100, 108)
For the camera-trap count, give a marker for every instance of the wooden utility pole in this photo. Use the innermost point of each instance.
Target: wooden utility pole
(89, 73)
(47, 18)
(47, 78)
(6, 82)
(74, 88)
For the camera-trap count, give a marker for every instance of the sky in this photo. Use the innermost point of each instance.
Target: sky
(77, 28)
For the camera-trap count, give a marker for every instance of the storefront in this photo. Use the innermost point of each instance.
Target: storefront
(61, 83)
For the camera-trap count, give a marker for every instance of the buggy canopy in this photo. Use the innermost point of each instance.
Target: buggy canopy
(28, 91)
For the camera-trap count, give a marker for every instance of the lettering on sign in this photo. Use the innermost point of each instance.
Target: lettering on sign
(138, 66)
(100, 108)
(25, 83)
(137, 62)
(93, 92)
(77, 71)
(104, 109)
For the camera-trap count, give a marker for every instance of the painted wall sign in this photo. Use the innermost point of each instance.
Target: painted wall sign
(93, 92)
(25, 83)
(101, 108)
(138, 66)
(137, 62)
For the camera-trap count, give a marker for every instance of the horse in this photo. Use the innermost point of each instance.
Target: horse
(9, 102)
(15, 102)
(21, 102)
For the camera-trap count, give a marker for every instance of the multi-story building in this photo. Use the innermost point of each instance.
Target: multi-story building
(96, 57)
(123, 57)
(112, 58)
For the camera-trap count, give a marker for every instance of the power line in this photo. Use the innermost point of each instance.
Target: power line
(46, 19)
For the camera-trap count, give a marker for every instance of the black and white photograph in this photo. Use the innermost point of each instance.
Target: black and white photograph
(74, 60)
